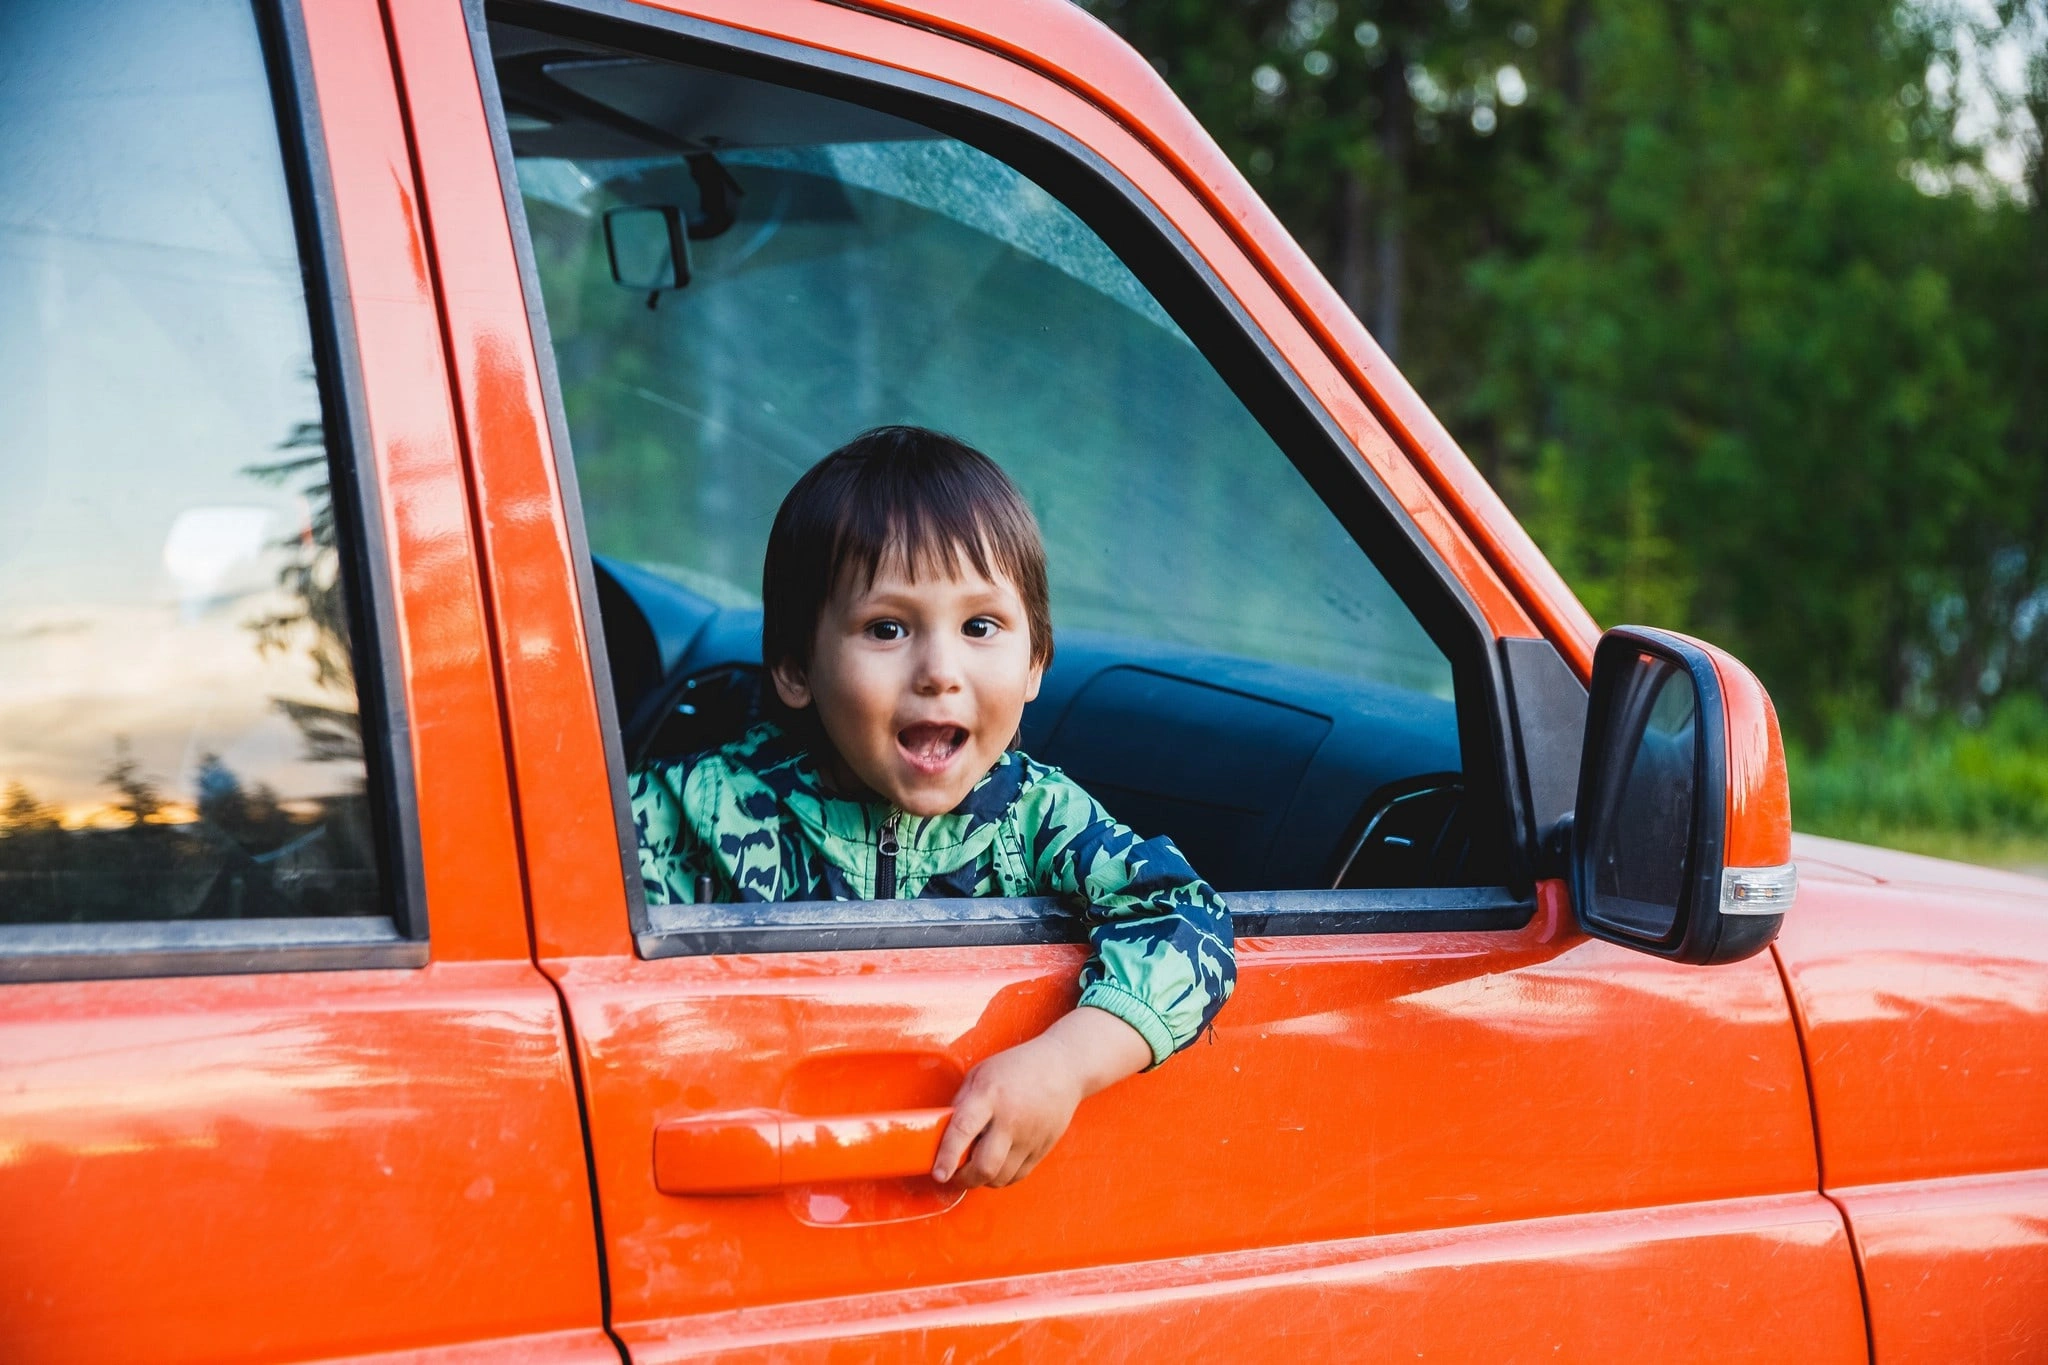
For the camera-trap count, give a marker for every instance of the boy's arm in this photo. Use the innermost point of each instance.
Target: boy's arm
(672, 857)
(1164, 958)
(1014, 1106)
(1164, 962)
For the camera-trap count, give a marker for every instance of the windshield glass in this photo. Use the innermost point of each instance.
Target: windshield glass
(904, 277)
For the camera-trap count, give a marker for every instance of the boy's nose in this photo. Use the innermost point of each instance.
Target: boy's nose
(938, 668)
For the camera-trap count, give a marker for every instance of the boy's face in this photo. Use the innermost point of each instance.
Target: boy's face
(918, 683)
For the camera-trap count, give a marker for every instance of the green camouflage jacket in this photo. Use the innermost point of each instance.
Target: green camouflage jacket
(753, 818)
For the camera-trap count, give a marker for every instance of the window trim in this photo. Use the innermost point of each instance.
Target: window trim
(847, 926)
(1248, 362)
(203, 947)
(172, 947)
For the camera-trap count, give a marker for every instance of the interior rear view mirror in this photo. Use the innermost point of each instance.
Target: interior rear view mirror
(648, 248)
(1681, 842)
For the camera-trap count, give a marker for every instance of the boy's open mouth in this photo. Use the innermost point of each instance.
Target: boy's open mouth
(930, 746)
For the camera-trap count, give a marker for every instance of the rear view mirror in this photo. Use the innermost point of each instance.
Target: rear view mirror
(1681, 843)
(648, 248)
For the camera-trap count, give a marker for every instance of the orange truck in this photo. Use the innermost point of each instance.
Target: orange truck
(396, 393)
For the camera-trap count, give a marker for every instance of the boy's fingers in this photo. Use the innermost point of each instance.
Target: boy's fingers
(962, 1129)
(991, 1153)
(1022, 1159)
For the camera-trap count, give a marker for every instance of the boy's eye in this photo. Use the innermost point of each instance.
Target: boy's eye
(980, 628)
(886, 630)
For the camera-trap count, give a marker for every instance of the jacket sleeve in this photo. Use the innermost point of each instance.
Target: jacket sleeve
(672, 857)
(1163, 959)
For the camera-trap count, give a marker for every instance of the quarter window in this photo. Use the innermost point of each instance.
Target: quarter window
(180, 737)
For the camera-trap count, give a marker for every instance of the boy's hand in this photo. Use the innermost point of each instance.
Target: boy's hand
(1013, 1107)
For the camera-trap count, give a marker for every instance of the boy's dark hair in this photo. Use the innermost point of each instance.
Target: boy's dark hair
(896, 490)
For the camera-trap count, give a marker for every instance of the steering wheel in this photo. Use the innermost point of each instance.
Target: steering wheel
(694, 709)
(1409, 833)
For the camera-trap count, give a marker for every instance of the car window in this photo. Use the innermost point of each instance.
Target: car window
(1232, 668)
(180, 736)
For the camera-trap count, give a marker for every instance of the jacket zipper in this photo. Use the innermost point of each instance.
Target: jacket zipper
(885, 861)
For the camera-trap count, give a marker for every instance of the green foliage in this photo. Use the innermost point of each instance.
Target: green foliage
(1716, 291)
(1937, 786)
(1735, 304)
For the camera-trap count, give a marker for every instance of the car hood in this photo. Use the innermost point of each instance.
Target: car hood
(1841, 861)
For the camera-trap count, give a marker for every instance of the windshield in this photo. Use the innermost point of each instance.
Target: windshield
(899, 276)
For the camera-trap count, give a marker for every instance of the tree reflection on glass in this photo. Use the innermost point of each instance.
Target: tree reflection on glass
(220, 846)
(317, 607)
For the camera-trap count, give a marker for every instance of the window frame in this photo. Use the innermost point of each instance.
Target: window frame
(1229, 339)
(397, 938)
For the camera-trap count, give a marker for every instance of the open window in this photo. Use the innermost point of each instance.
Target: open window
(744, 262)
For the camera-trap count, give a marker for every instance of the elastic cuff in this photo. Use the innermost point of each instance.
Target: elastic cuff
(1133, 1010)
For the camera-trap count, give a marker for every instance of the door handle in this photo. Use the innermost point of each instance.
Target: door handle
(763, 1149)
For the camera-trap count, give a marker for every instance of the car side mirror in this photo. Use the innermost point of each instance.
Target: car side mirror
(1681, 842)
(648, 247)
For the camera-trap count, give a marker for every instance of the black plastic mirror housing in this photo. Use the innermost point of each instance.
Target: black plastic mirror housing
(1681, 840)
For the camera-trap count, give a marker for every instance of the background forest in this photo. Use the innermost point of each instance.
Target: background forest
(1742, 304)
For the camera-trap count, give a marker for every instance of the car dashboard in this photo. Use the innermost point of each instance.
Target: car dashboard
(1268, 776)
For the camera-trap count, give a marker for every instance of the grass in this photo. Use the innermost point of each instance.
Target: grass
(1974, 793)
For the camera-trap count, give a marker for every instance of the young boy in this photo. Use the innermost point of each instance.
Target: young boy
(905, 624)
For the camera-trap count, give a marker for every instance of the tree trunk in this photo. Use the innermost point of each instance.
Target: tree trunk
(1397, 119)
(1354, 243)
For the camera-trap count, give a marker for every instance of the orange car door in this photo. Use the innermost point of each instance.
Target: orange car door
(254, 1106)
(1435, 1117)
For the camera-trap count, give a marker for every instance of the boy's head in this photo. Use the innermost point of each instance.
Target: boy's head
(904, 597)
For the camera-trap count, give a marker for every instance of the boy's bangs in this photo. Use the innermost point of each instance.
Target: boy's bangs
(937, 527)
(922, 546)
(897, 496)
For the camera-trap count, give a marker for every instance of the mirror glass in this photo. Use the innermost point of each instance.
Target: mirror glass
(1643, 805)
(642, 243)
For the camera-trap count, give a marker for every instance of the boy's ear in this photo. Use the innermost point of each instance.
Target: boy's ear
(793, 684)
(1031, 686)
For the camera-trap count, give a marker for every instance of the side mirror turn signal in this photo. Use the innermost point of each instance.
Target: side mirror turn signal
(1681, 841)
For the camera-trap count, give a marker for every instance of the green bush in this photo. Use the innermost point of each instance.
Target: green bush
(1934, 785)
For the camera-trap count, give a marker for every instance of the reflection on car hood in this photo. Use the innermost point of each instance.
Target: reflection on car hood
(1839, 860)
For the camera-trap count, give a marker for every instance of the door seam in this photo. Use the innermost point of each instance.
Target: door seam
(494, 642)
(1820, 1167)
